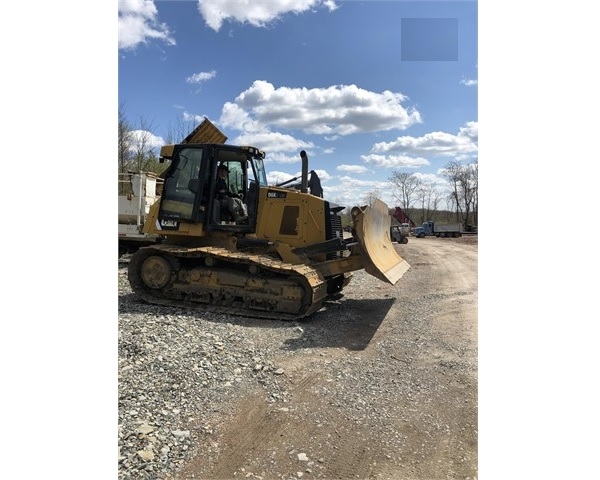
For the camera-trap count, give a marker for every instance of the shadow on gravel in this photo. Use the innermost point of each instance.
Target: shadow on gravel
(349, 324)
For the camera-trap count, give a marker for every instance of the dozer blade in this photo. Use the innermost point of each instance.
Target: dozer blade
(372, 229)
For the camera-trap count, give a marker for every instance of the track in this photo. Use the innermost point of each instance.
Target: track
(219, 280)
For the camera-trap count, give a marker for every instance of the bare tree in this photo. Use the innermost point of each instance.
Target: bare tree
(428, 196)
(473, 194)
(452, 205)
(143, 149)
(404, 187)
(370, 197)
(125, 141)
(454, 171)
(136, 149)
(467, 184)
(182, 128)
(463, 184)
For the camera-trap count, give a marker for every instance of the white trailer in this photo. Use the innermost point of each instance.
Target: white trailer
(137, 193)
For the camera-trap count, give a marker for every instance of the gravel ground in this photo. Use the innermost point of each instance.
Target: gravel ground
(381, 383)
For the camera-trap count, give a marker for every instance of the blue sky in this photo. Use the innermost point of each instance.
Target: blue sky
(366, 88)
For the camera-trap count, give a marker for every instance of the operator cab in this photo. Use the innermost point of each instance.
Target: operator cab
(190, 195)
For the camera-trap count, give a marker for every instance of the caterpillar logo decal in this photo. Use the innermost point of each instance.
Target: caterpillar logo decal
(164, 224)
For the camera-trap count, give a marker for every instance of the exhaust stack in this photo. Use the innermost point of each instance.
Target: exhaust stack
(304, 184)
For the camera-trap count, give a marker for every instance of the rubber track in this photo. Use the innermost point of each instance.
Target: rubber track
(311, 279)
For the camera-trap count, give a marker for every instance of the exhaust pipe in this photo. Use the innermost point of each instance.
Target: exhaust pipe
(304, 184)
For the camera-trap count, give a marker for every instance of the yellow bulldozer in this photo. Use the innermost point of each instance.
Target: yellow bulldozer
(280, 256)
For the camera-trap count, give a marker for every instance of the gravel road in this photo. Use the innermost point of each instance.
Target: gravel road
(381, 383)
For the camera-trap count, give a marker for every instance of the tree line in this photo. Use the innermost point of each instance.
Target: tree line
(137, 144)
(427, 201)
(422, 201)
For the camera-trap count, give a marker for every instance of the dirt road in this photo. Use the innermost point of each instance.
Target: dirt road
(381, 384)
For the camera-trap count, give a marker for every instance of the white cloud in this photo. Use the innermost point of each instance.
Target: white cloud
(331, 5)
(273, 142)
(138, 22)
(470, 131)
(431, 178)
(149, 139)
(201, 77)
(350, 191)
(138, 19)
(236, 118)
(275, 177)
(334, 110)
(261, 110)
(434, 143)
(468, 82)
(191, 117)
(352, 168)
(352, 183)
(258, 13)
(394, 161)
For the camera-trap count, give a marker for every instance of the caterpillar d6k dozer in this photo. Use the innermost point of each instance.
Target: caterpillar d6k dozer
(280, 256)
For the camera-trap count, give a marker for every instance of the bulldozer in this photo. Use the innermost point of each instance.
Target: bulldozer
(282, 259)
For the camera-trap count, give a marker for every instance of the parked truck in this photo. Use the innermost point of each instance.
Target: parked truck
(438, 229)
(137, 193)
(402, 218)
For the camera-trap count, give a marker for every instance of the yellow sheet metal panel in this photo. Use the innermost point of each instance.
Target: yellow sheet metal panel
(372, 226)
(206, 132)
(288, 216)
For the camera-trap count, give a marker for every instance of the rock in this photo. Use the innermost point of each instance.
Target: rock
(146, 455)
(145, 428)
